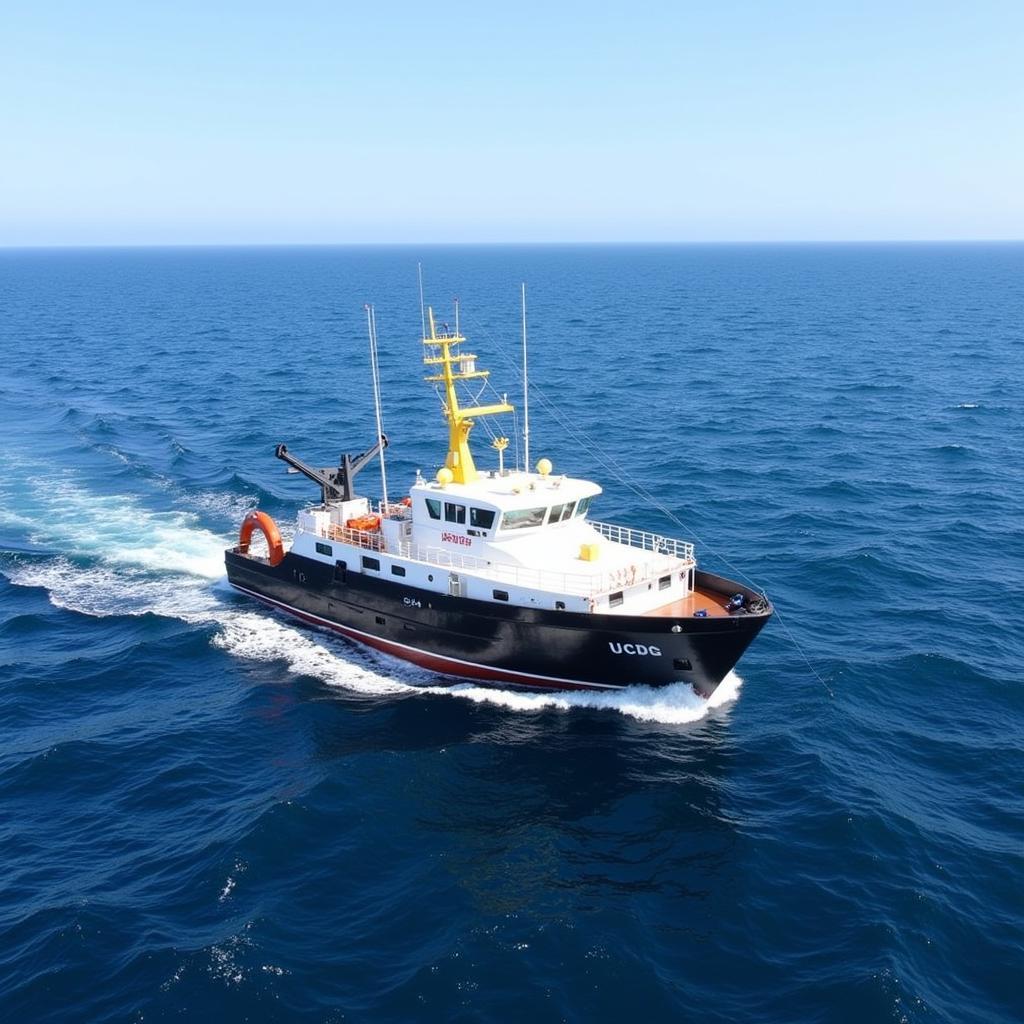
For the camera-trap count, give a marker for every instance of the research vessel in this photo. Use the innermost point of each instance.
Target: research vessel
(496, 575)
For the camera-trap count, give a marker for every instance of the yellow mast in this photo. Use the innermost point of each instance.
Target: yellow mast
(456, 366)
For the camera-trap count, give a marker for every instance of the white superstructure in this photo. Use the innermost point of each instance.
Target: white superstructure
(522, 538)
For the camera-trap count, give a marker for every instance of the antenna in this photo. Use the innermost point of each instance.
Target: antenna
(526, 393)
(423, 315)
(371, 325)
(456, 314)
(500, 444)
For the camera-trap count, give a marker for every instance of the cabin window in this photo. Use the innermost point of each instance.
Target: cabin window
(325, 549)
(614, 600)
(481, 517)
(665, 582)
(559, 606)
(454, 513)
(340, 572)
(380, 620)
(583, 507)
(433, 508)
(500, 595)
(371, 563)
(522, 518)
(398, 570)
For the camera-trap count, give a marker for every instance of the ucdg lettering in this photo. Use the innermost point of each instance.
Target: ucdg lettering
(617, 648)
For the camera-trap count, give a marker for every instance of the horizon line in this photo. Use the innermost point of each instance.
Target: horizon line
(4, 246)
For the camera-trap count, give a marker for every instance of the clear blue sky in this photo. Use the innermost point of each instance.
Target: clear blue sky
(207, 122)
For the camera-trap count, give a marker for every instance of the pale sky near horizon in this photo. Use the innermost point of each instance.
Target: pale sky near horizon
(228, 122)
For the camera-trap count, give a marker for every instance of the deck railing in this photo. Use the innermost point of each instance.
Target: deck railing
(371, 541)
(645, 541)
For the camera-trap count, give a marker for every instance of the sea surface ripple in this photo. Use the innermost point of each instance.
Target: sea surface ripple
(208, 812)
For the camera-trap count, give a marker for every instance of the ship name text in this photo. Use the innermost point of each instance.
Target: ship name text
(617, 648)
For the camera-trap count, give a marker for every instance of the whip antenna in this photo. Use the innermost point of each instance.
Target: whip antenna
(526, 393)
(371, 326)
(423, 315)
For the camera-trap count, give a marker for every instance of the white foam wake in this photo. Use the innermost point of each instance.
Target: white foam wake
(671, 705)
(102, 590)
(263, 637)
(65, 516)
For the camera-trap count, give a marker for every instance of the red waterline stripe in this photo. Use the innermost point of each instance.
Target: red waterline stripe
(434, 662)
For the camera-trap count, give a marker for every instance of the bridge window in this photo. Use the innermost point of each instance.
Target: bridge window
(584, 507)
(433, 508)
(454, 513)
(562, 512)
(325, 549)
(482, 517)
(522, 518)
(371, 563)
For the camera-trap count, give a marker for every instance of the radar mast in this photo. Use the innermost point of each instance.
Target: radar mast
(442, 350)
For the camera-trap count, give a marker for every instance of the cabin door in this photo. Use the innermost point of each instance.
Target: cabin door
(454, 584)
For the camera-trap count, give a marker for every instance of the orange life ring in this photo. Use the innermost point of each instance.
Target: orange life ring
(262, 522)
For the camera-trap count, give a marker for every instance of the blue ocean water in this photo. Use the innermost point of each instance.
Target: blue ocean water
(208, 812)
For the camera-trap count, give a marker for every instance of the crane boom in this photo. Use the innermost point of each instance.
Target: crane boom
(334, 482)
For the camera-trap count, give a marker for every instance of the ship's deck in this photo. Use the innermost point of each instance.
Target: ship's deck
(686, 606)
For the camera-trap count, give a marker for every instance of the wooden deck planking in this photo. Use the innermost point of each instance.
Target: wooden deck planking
(686, 606)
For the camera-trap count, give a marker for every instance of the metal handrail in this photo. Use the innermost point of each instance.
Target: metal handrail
(358, 538)
(646, 541)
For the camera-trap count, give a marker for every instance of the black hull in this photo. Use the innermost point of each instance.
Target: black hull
(502, 644)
